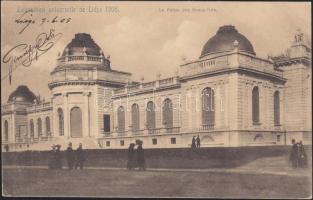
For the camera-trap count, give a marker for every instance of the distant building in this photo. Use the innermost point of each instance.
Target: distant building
(228, 96)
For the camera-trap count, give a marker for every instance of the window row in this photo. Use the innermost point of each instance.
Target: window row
(208, 111)
(39, 127)
(167, 111)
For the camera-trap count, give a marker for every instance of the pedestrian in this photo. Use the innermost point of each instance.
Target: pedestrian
(80, 157)
(141, 163)
(302, 155)
(58, 157)
(193, 143)
(293, 158)
(52, 160)
(198, 141)
(70, 156)
(131, 162)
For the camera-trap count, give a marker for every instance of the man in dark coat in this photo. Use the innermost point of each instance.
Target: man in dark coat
(198, 141)
(58, 157)
(294, 154)
(131, 163)
(70, 156)
(80, 157)
(141, 157)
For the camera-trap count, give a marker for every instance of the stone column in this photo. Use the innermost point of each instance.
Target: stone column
(66, 116)
(86, 119)
(226, 105)
(54, 126)
(198, 106)
(217, 105)
(11, 135)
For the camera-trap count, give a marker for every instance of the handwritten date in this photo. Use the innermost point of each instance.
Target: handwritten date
(27, 19)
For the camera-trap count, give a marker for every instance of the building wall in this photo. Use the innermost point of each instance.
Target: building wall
(35, 116)
(298, 102)
(158, 98)
(267, 88)
(68, 97)
(9, 119)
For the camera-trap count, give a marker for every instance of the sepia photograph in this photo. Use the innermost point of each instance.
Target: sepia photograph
(177, 99)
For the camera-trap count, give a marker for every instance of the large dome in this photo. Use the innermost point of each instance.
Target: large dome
(224, 40)
(22, 94)
(82, 43)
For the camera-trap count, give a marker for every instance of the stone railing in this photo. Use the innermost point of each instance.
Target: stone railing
(202, 66)
(80, 59)
(40, 107)
(6, 108)
(258, 64)
(149, 84)
(138, 132)
(229, 61)
(14, 107)
(146, 86)
(205, 127)
(166, 81)
(134, 87)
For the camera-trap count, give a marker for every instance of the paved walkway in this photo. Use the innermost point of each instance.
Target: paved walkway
(283, 172)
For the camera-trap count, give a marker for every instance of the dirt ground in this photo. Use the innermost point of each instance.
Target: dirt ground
(122, 183)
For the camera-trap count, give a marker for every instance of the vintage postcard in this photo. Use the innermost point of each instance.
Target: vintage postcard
(156, 99)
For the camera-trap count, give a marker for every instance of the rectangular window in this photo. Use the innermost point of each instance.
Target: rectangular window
(278, 138)
(107, 143)
(154, 141)
(122, 142)
(173, 140)
(106, 123)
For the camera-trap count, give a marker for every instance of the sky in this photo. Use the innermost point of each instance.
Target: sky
(144, 38)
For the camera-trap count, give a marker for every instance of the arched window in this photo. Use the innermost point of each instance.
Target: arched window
(120, 119)
(61, 122)
(208, 108)
(135, 117)
(39, 127)
(276, 108)
(150, 115)
(76, 122)
(255, 105)
(6, 130)
(31, 127)
(48, 126)
(168, 113)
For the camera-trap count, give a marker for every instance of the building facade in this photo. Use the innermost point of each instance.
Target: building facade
(228, 97)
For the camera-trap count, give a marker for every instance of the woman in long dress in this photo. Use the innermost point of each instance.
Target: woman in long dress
(131, 163)
(141, 157)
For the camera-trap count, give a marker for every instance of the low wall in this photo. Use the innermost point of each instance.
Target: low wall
(161, 158)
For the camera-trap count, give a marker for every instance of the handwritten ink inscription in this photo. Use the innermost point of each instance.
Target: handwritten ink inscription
(25, 53)
(27, 19)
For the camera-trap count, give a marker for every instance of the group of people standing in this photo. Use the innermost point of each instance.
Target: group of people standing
(75, 159)
(195, 142)
(136, 157)
(298, 156)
